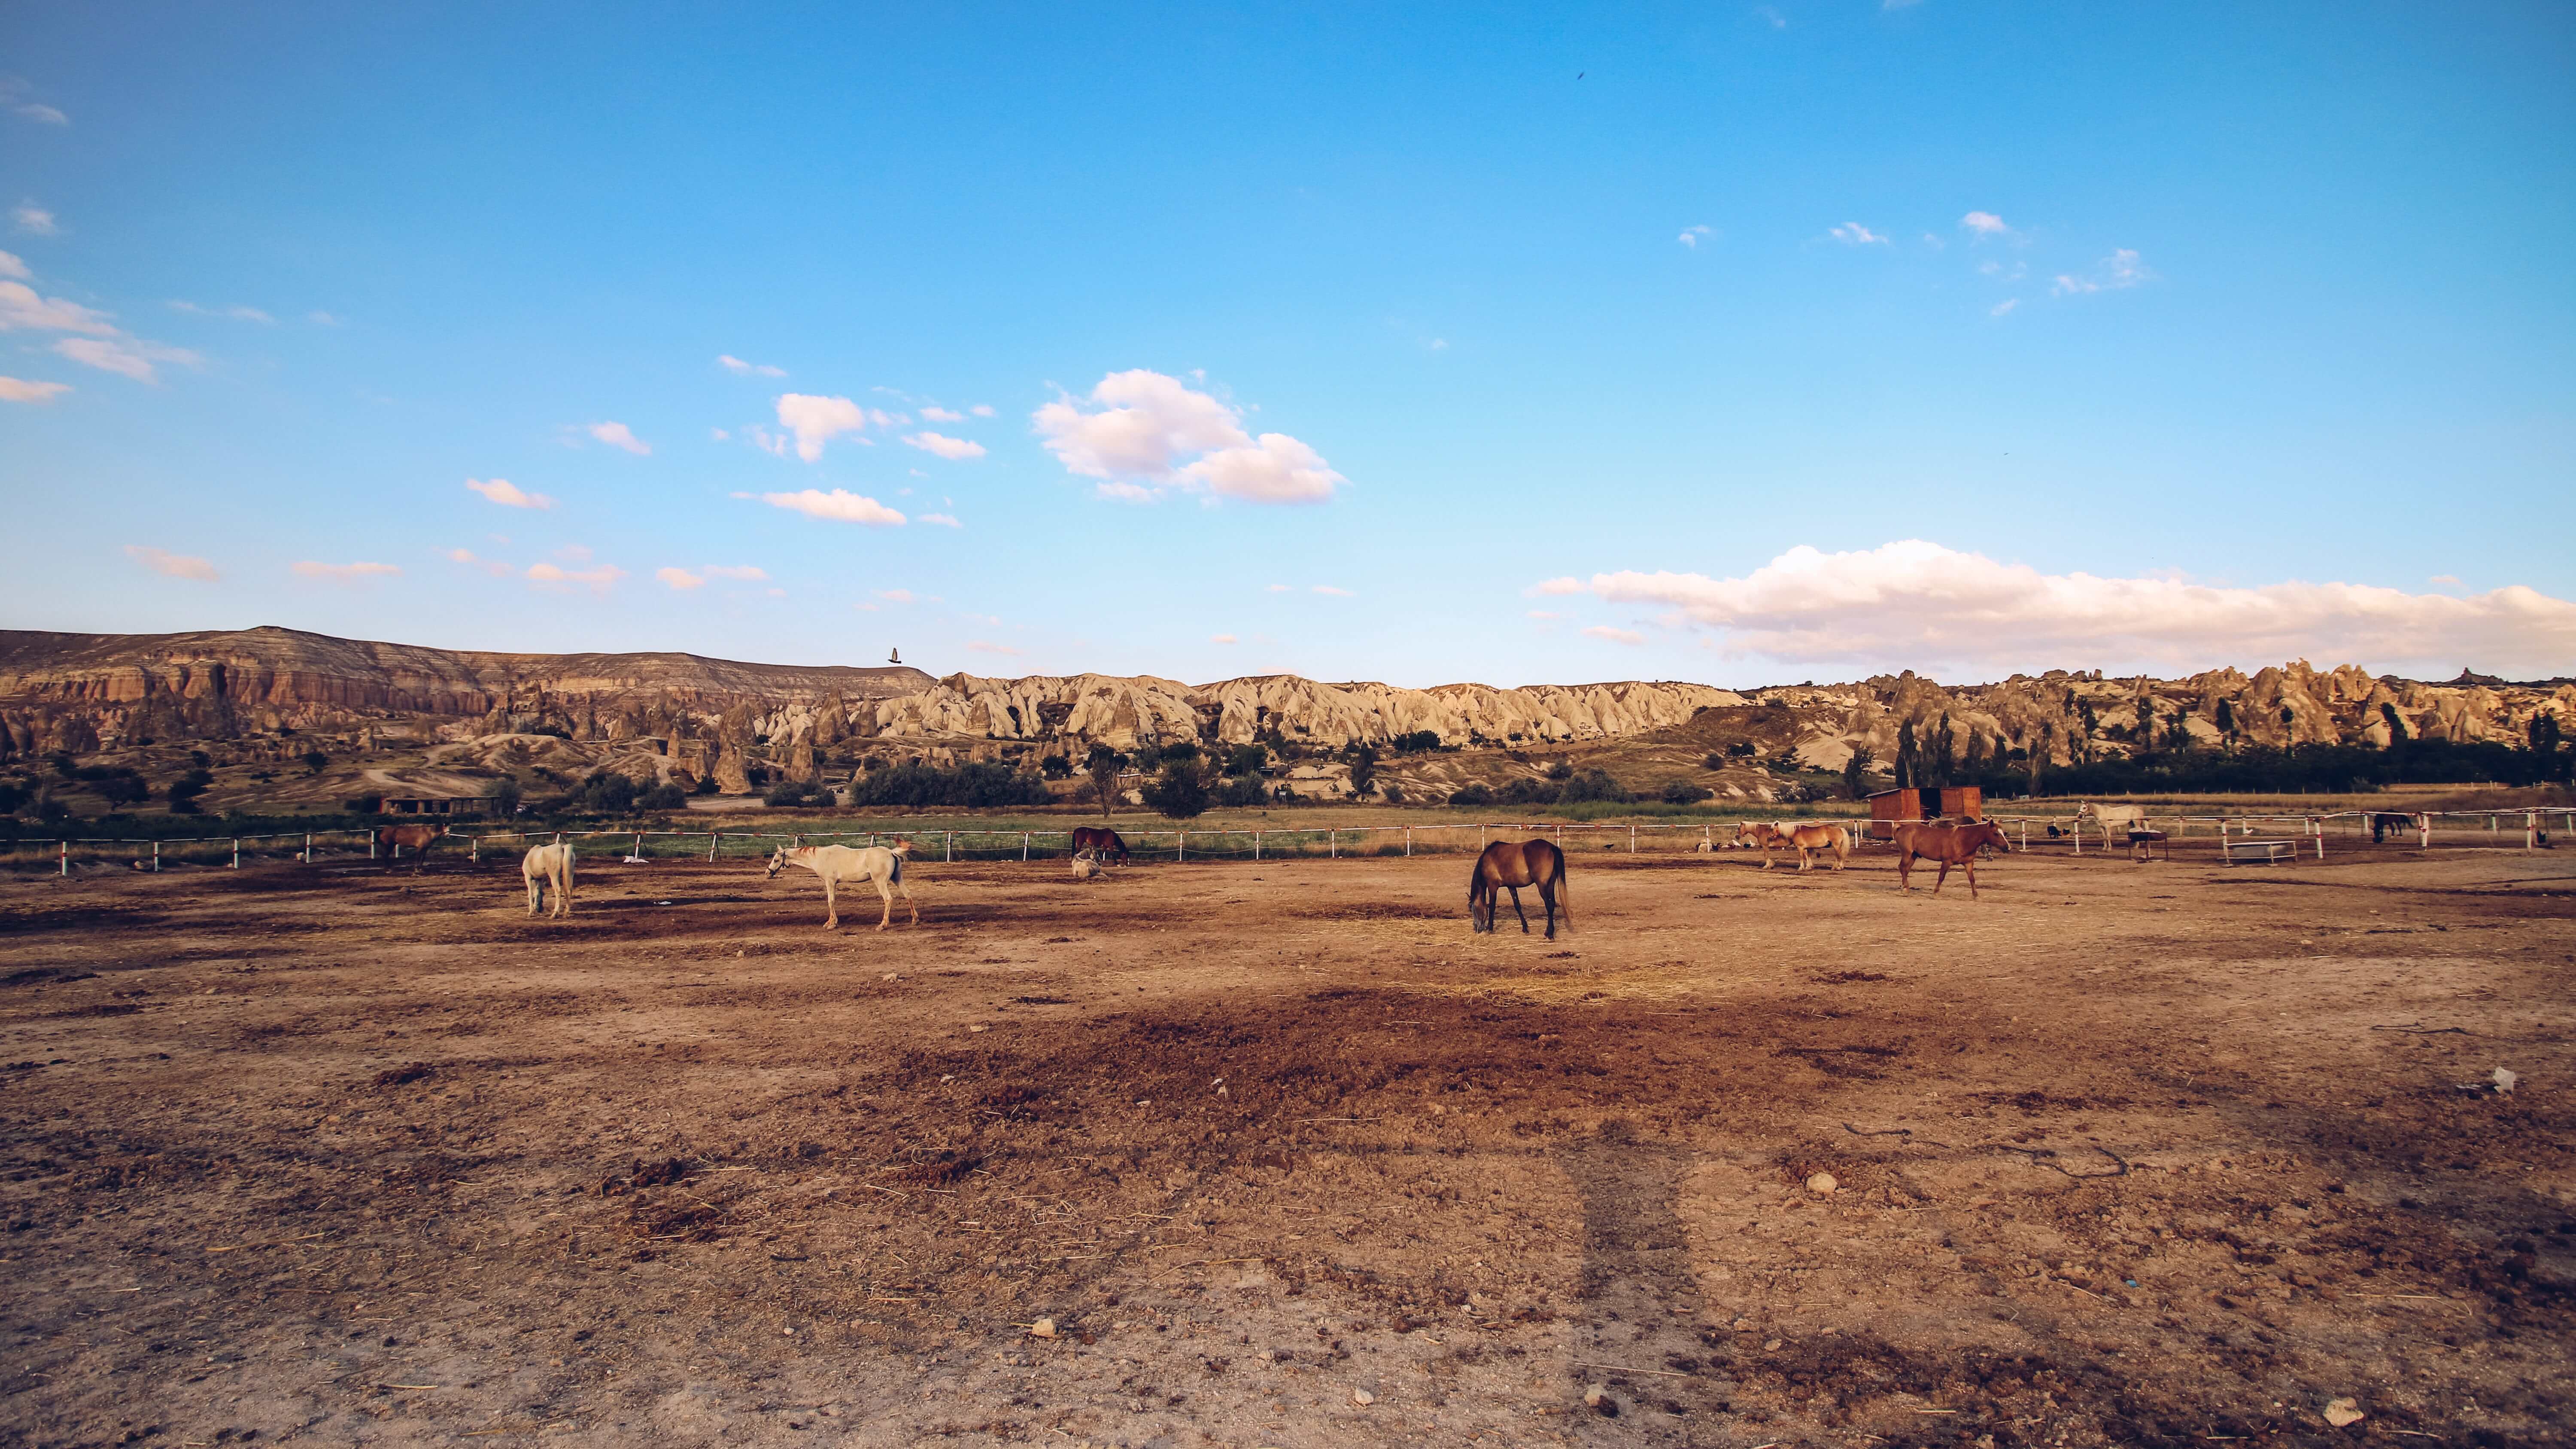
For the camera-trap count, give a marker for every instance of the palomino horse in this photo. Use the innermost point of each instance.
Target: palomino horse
(1804, 839)
(1509, 867)
(1101, 841)
(1950, 845)
(546, 865)
(840, 864)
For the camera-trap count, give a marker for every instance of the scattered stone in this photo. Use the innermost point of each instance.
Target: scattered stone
(1599, 1401)
(978, 1026)
(2343, 1413)
(2503, 1080)
(1364, 1398)
(1822, 1184)
(1043, 1328)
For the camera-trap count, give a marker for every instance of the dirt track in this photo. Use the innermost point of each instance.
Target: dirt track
(2127, 1153)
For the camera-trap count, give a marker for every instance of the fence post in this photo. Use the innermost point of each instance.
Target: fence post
(1183, 851)
(711, 845)
(1024, 846)
(1256, 845)
(948, 848)
(2530, 829)
(2425, 821)
(639, 843)
(371, 845)
(63, 857)
(308, 850)
(1408, 842)
(1332, 845)
(156, 857)
(236, 852)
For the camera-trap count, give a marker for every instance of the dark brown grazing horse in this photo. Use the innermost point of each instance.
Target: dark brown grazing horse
(1509, 867)
(392, 838)
(1950, 845)
(1101, 841)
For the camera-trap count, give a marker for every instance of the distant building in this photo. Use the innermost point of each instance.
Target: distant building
(1891, 808)
(436, 807)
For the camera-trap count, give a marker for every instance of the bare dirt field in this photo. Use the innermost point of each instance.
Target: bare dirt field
(2160, 1154)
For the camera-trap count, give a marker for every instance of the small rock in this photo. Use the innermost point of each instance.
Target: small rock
(1599, 1401)
(1043, 1328)
(1772, 1347)
(2503, 1080)
(891, 976)
(2343, 1413)
(1822, 1184)
(978, 1026)
(1364, 1398)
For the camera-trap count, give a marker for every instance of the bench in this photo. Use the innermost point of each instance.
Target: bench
(2143, 843)
(2265, 852)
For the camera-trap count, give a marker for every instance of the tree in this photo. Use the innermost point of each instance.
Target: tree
(1856, 773)
(2227, 723)
(2178, 730)
(1180, 791)
(1972, 759)
(2145, 734)
(1682, 792)
(2544, 743)
(1102, 765)
(1247, 759)
(185, 790)
(2039, 753)
(314, 760)
(2396, 726)
(503, 795)
(1364, 770)
(1944, 760)
(1056, 767)
(1908, 769)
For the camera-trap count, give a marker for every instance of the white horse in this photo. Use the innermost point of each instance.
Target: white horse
(2114, 821)
(548, 864)
(836, 864)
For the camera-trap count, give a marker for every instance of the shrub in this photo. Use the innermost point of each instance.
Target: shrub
(314, 760)
(1179, 792)
(1715, 761)
(1681, 792)
(503, 796)
(787, 794)
(1592, 785)
(1246, 759)
(970, 785)
(1417, 742)
(1470, 796)
(663, 797)
(1364, 770)
(1561, 770)
(706, 785)
(1056, 767)
(367, 804)
(1392, 794)
(185, 790)
(1242, 791)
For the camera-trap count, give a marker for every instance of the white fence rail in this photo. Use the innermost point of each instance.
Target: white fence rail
(2490, 828)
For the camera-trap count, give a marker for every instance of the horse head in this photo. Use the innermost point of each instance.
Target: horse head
(902, 848)
(777, 863)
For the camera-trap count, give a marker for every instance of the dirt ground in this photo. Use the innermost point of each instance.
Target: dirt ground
(2137, 1154)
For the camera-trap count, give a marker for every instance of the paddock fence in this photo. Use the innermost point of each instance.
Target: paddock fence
(2308, 835)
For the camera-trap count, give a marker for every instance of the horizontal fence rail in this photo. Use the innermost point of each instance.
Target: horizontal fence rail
(2306, 833)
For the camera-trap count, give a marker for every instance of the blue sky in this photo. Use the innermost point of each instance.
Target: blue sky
(1718, 342)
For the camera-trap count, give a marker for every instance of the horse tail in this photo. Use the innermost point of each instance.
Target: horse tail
(1564, 892)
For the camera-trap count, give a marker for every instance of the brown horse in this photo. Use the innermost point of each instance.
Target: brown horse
(1509, 867)
(1101, 841)
(1950, 845)
(392, 838)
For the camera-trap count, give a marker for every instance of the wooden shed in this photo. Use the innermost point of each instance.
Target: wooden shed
(1891, 808)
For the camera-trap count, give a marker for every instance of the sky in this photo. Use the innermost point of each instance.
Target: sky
(1730, 343)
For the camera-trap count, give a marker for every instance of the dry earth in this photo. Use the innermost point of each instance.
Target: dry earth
(2160, 1154)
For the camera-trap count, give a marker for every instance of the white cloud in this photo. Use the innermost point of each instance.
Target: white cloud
(12, 265)
(2006, 305)
(1855, 234)
(1279, 589)
(679, 578)
(21, 307)
(1919, 605)
(1149, 423)
(35, 220)
(982, 410)
(1545, 614)
(1222, 639)
(2452, 579)
(2121, 269)
(718, 434)
(321, 319)
(574, 553)
(945, 446)
(618, 435)
(733, 364)
(839, 505)
(895, 596)
(236, 314)
(1985, 224)
(1615, 636)
(1556, 587)
(865, 608)
(598, 579)
(176, 565)
(817, 420)
(981, 647)
(1771, 17)
(508, 494)
(125, 356)
(347, 573)
(18, 96)
(1334, 592)
(1691, 235)
(460, 555)
(746, 572)
(19, 390)
(944, 520)
(941, 415)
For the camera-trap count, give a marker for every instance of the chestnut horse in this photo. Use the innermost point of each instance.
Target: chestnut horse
(392, 838)
(1101, 841)
(1950, 845)
(1509, 867)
